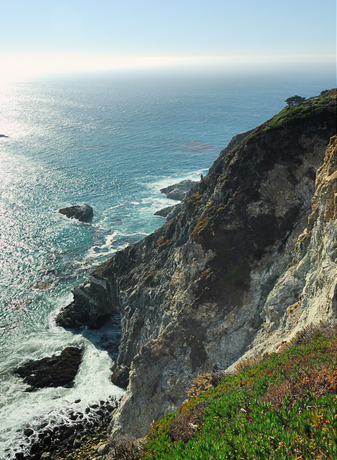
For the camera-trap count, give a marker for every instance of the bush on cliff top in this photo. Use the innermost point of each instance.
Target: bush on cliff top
(283, 407)
(312, 109)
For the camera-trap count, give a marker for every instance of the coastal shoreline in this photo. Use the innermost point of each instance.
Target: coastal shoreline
(85, 437)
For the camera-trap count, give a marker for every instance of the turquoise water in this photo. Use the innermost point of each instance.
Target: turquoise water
(112, 142)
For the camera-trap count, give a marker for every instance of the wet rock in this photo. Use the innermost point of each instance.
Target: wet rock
(83, 213)
(3, 135)
(120, 376)
(35, 448)
(80, 440)
(52, 372)
(77, 442)
(178, 191)
(165, 211)
(170, 212)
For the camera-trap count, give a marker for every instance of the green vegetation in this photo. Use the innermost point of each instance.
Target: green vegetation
(319, 108)
(295, 100)
(294, 114)
(201, 225)
(284, 406)
(325, 91)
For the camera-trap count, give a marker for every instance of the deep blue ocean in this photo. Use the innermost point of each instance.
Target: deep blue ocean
(111, 141)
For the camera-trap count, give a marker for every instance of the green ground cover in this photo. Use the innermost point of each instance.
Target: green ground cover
(285, 406)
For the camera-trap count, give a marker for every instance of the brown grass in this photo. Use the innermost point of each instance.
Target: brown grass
(204, 382)
(246, 363)
(186, 423)
(313, 380)
(318, 383)
(127, 449)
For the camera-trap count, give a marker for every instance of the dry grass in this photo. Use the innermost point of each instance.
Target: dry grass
(246, 363)
(204, 382)
(318, 383)
(186, 423)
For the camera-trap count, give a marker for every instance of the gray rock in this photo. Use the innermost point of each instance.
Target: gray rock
(178, 191)
(170, 212)
(165, 211)
(102, 449)
(83, 213)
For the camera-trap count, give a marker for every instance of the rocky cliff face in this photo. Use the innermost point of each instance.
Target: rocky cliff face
(235, 273)
(306, 293)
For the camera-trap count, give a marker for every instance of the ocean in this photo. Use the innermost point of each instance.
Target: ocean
(112, 141)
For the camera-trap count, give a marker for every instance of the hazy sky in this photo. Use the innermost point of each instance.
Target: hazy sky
(48, 34)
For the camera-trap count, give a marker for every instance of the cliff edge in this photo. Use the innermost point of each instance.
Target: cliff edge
(235, 273)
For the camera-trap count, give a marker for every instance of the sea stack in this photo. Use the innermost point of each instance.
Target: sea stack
(83, 213)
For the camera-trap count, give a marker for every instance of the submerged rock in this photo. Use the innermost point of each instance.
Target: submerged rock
(83, 213)
(54, 371)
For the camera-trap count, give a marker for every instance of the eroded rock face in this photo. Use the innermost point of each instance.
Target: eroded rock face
(84, 213)
(192, 296)
(306, 293)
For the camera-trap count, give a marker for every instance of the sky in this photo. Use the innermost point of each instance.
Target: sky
(39, 36)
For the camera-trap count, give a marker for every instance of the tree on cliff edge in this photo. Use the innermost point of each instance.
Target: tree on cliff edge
(294, 100)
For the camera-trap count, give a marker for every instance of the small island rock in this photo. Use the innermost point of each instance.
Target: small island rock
(54, 371)
(83, 213)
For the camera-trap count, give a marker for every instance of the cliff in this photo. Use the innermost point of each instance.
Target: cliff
(237, 271)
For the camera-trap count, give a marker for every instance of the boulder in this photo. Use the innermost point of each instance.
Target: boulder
(54, 371)
(83, 213)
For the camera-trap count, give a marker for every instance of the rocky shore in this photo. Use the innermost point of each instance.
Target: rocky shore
(249, 259)
(84, 436)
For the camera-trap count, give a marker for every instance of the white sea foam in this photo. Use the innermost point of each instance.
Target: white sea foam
(53, 404)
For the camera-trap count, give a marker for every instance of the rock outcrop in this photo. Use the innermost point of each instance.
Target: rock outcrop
(216, 282)
(178, 191)
(58, 370)
(84, 213)
(164, 212)
(306, 293)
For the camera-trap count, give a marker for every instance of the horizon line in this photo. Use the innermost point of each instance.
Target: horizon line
(21, 65)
